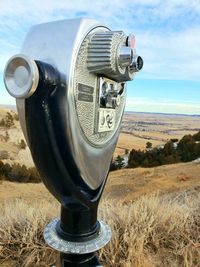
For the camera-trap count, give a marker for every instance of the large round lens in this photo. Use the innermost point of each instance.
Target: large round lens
(21, 76)
(139, 63)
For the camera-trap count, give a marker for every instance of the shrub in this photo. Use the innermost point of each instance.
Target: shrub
(19, 173)
(117, 164)
(197, 136)
(34, 176)
(4, 154)
(126, 151)
(151, 231)
(187, 149)
(148, 145)
(8, 121)
(4, 169)
(22, 144)
(174, 140)
(16, 117)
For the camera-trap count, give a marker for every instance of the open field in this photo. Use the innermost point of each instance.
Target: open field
(128, 184)
(155, 222)
(130, 141)
(125, 185)
(154, 213)
(11, 146)
(139, 128)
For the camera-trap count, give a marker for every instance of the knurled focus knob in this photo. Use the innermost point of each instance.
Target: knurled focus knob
(112, 54)
(104, 56)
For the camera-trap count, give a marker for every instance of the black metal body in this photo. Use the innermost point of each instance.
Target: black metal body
(53, 159)
(88, 260)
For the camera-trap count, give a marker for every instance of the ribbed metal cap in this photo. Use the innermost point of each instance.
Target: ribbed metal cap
(103, 54)
(112, 54)
(21, 76)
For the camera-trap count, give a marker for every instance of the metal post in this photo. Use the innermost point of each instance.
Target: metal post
(76, 260)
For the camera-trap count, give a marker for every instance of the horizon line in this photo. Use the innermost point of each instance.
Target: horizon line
(128, 111)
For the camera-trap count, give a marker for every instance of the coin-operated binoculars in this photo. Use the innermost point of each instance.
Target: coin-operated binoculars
(70, 89)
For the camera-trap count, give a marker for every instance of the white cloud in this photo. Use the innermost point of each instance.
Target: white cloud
(169, 55)
(173, 56)
(167, 32)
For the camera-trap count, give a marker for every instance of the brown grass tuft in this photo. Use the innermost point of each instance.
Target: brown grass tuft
(21, 227)
(152, 231)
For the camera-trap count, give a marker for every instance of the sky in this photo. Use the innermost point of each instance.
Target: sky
(167, 37)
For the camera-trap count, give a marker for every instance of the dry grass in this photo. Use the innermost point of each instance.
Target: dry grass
(158, 130)
(128, 184)
(129, 141)
(21, 226)
(152, 231)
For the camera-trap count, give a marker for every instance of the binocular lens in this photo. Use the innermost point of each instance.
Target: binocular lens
(21, 76)
(139, 63)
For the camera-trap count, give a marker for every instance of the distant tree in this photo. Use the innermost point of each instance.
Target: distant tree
(174, 140)
(197, 150)
(151, 158)
(168, 148)
(16, 116)
(18, 173)
(148, 145)
(119, 162)
(34, 176)
(9, 121)
(113, 166)
(196, 136)
(136, 158)
(126, 151)
(4, 169)
(186, 148)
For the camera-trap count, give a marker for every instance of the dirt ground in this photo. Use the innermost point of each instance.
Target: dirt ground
(123, 185)
(128, 184)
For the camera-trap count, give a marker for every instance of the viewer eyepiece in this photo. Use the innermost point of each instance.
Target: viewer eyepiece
(21, 76)
(70, 87)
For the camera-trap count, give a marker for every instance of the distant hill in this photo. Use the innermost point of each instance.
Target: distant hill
(10, 107)
(10, 138)
(160, 113)
(13, 107)
(125, 185)
(129, 184)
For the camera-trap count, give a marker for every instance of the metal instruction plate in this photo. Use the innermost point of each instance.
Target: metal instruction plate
(106, 120)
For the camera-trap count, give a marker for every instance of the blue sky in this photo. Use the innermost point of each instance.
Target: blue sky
(167, 37)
